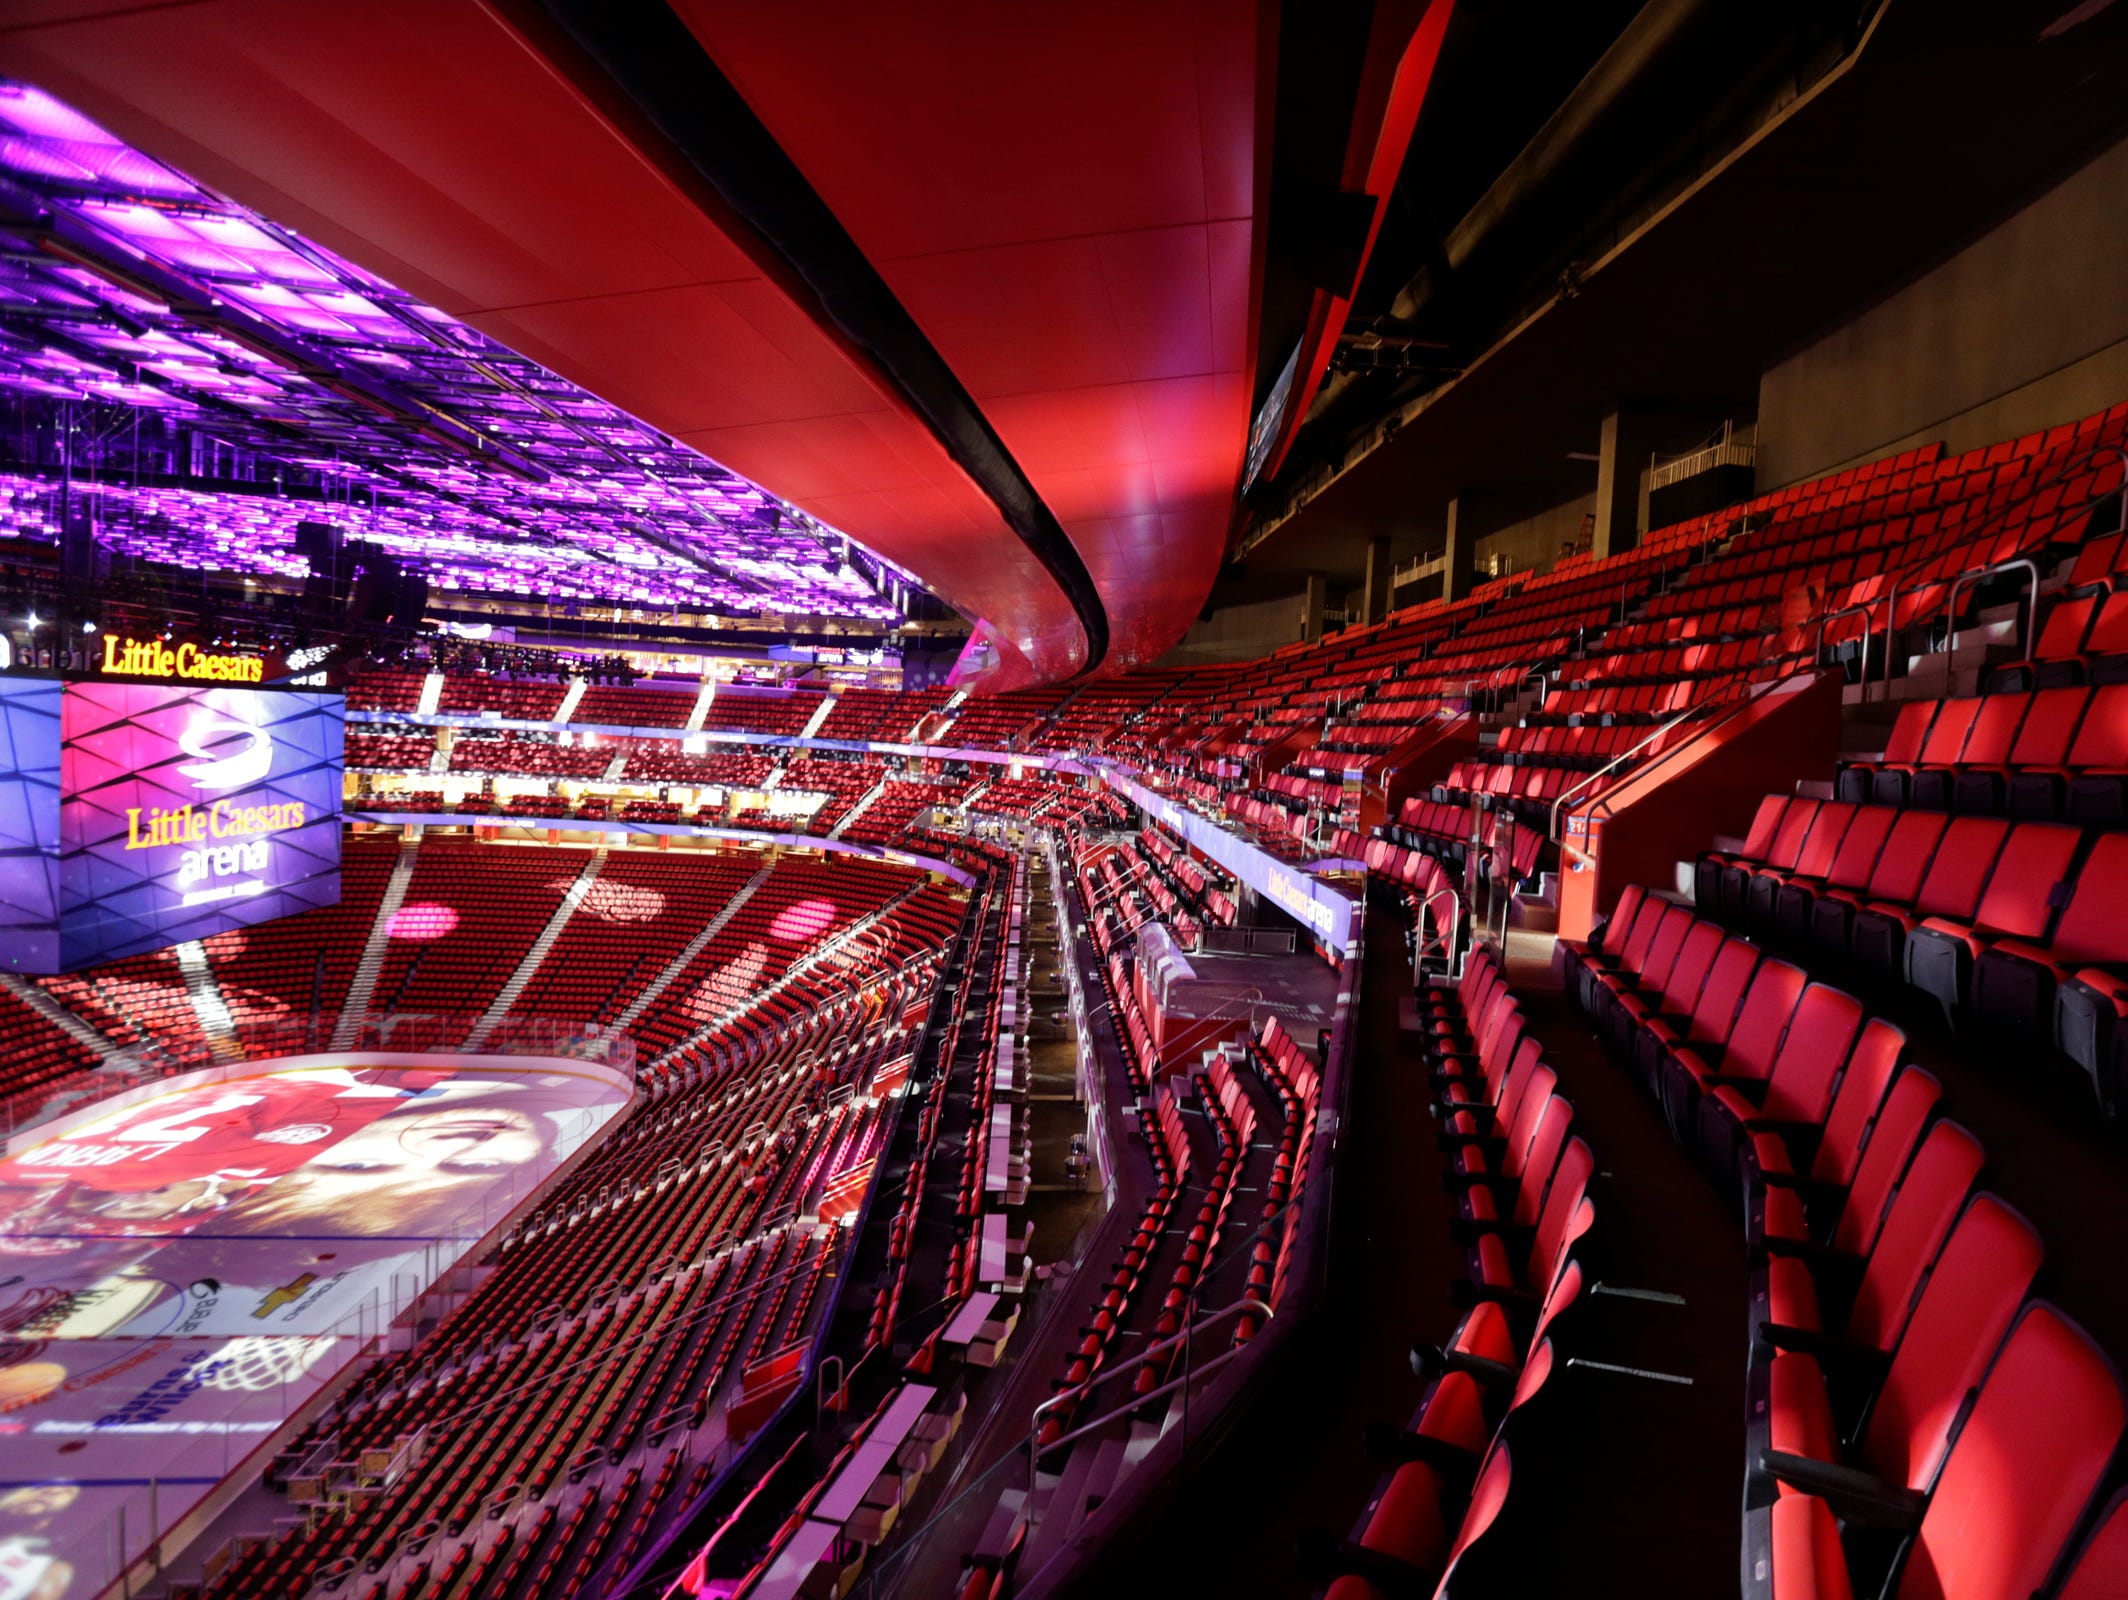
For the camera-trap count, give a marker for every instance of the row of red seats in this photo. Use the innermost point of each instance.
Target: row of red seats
(1441, 1519)
(2060, 752)
(1900, 1381)
(2013, 924)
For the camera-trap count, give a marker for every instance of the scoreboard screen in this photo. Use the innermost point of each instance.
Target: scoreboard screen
(136, 816)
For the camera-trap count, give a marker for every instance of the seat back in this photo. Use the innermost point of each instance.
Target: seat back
(1856, 1101)
(1633, 950)
(1860, 846)
(1768, 1004)
(1765, 822)
(1959, 871)
(2043, 737)
(1947, 734)
(1892, 1139)
(2022, 1469)
(1525, 1073)
(1714, 1009)
(1542, 1158)
(2092, 927)
(1794, 832)
(2020, 898)
(1815, 859)
(1820, 1032)
(1522, 1124)
(1994, 729)
(1964, 1309)
(2109, 629)
(2102, 737)
(2061, 637)
(1681, 985)
(1904, 861)
(1621, 918)
(1907, 733)
(1915, 1225)
(1662, 951)
(1561, 1222)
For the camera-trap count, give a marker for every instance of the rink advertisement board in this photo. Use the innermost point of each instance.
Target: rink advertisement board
(135, 816)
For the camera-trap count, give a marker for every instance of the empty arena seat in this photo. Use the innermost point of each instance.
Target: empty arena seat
(1895, 1417)
(1707, 1016)
(1800, 1283)
(2014, 979)
(1707, 872)
(2024, 886)
(2019, 1476)
(2086, 784)
(1787, 1199)
(1685, 1069)
(1848, 868)
(1902, 748)
(1812, 861)
(1895, 878)
(1950, 886)
(1796, 1089)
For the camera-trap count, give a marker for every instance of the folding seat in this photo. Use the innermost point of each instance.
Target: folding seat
(1987, 747)
(1788, 842)
(1747, 1053)
(1707, 872)
(1606, 988)
(1707, 1022)
(2105, 652)
(2018, 1479)
(2057, 655)
(1790, 1191)
(1670, 993)
(1890, 1414)
(1796, 1090)
(2042, 743)
(1477, 1131)
(1877, 1283)
(2090, 783)
(1957, 872)
(1526, 1163)
(1624, 946)
(1849, 868)
(1895, 877)
(1496, 1273)
(2023, 890)
(1890, 784)
(1903, 747)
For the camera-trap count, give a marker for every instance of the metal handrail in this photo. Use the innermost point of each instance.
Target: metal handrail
(1719, 719)
(1960, 583)
(1552, 823)
(1453, 924)
(1077, 1392)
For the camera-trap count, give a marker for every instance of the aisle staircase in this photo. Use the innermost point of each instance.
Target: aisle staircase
(681, 962)
(528, 968)
(354, 1011)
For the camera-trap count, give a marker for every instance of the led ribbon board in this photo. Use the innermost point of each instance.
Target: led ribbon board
(137, 816)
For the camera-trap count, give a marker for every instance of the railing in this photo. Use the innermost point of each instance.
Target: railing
(1185, 1337)
(1447, 934)
(1625, 755)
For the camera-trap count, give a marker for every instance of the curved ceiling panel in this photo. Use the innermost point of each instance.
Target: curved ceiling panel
(425, 140)
(1069, 202)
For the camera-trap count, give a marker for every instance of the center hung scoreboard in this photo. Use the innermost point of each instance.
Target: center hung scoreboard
(172, 796)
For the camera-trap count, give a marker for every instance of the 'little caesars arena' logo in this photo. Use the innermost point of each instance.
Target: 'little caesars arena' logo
(216, 766)
(152, 658)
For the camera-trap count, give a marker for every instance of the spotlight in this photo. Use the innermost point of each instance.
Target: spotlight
(88, 627)
(35, 621)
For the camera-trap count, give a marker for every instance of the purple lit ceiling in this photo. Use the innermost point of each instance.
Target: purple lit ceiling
(121, 281)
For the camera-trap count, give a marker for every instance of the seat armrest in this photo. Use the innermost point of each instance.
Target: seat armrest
(1865, 1361)
(1853, 1496)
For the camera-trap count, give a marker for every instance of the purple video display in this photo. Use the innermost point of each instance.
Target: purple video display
(29, 824)
(186, 811)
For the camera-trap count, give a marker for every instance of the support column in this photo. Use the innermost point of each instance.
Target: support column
(1374, 593)
(1311, 606)
(1622, 454)
(1459, 568)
